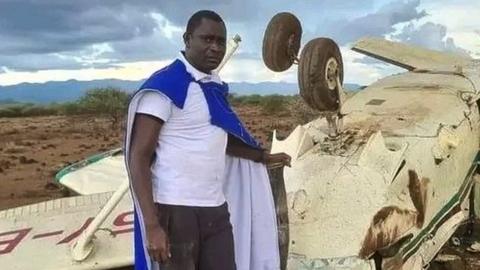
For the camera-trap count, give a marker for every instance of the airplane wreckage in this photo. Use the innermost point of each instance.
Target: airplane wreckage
(380, 181)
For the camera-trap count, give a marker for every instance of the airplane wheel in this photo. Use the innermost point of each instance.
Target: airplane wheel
(320, 64)
(281, 41)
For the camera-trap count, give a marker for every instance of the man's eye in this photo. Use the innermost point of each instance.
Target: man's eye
(208, 39)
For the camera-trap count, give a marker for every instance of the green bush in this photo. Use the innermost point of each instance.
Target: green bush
(274, 104)
(38, 110)
(71, 108)
(112, 103)
(108, 102)
(245, 100)
(10, 111)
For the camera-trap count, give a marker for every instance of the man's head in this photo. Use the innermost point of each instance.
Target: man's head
(205, 40)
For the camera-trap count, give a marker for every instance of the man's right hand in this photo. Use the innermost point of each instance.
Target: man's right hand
(276, 160)
(157, 244)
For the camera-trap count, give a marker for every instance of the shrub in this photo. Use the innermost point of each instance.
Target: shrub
(108, 102)
(71, 108)
(274, 104)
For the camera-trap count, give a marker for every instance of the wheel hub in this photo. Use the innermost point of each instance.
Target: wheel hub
(331, 73)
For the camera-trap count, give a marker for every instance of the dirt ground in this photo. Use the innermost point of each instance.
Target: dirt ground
(33, 150)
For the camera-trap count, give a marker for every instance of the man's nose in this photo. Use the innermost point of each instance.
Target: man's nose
(216, 47)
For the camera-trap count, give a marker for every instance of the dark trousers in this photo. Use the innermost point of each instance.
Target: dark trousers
(200, 237)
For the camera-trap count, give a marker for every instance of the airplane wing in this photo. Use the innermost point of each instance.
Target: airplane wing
(103, 172)
(408, 56)
(40, 236)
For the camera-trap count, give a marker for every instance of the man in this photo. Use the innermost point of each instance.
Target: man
(179, 129)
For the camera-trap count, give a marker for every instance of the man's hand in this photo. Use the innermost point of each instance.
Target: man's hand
(157, 244)
(237, 148)
(276, 160)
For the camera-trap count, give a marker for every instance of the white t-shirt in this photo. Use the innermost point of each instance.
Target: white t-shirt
(190, 154)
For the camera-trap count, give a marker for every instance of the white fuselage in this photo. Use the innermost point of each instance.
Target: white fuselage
(410, 121)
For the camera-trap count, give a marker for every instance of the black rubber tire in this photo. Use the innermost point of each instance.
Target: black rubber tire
(275, 52)
(311, 74)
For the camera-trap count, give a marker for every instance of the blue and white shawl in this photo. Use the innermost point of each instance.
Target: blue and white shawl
(247, 188)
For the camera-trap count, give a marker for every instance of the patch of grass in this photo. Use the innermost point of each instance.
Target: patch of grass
(236, 100)
(275, 104)
(270, 104)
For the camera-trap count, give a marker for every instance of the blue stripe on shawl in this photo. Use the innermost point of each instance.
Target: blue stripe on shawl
(140, 259)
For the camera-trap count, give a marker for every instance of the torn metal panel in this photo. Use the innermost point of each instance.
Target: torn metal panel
(378, 157)
(295, 145)
(324, 203)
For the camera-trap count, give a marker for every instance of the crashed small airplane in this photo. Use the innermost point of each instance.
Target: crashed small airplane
(379, 181)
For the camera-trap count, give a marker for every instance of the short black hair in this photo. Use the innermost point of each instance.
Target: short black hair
(196, 19)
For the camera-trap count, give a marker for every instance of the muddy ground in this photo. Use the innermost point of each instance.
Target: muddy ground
(33, 150)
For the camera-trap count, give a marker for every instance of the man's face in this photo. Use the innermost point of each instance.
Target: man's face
(205, 46)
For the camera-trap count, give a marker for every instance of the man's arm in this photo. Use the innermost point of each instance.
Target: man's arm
(146, 129)
(237, 148)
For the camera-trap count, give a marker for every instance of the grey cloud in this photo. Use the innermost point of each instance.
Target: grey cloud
(250, 17)
(379, 23)
(429, 35)
(154, 47)
(53, 26)
(41, 30)
(253, 11)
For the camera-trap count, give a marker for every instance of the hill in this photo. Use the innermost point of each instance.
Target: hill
(71, 90)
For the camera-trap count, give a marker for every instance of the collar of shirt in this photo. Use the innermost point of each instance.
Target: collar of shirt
(197, 74)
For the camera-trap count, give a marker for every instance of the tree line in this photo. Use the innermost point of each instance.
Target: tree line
(112, 103)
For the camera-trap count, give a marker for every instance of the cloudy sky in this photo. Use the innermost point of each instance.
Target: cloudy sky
(44, 40)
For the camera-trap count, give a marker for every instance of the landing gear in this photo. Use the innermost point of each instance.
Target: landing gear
(320, 66)
(320, 71)
(281, 41)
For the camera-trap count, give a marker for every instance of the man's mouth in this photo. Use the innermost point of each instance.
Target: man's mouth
(213, 60)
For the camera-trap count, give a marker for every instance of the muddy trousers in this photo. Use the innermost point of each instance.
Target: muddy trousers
(200, 237)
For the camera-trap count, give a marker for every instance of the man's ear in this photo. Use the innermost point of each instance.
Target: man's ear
(186, 39)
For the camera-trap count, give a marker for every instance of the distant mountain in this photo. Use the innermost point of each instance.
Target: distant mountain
(58, 91)
(72, 89)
